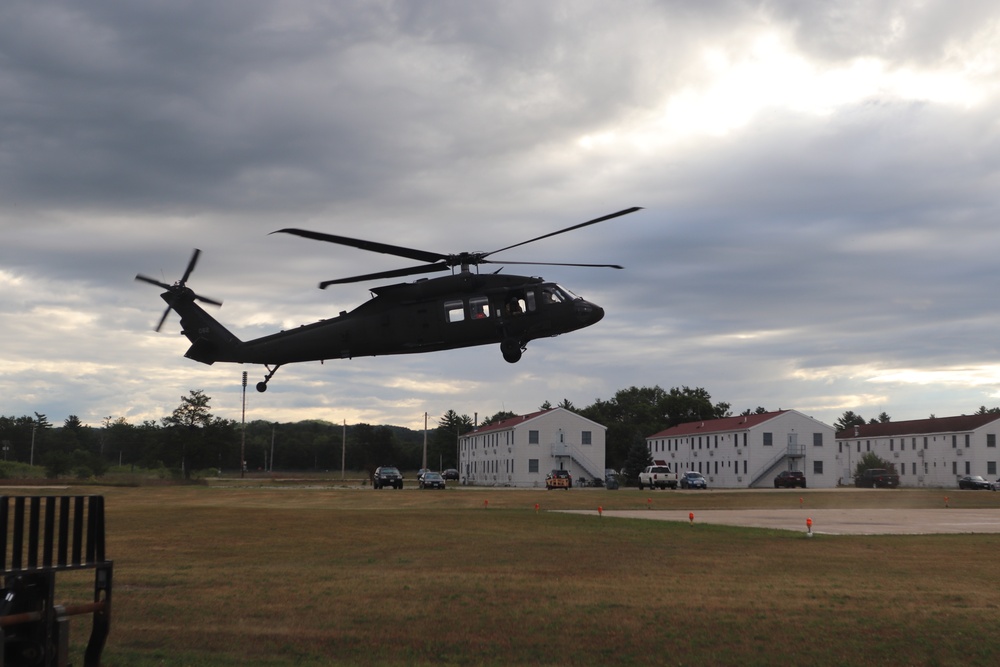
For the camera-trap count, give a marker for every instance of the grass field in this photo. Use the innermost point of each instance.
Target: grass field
(282, 574)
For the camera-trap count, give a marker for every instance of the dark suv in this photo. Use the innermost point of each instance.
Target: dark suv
(789, 479)
(387, 476)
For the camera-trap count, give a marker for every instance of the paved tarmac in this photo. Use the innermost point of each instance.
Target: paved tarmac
(837, 522)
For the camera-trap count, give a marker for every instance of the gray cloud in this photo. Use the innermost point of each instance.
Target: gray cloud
(789, 260)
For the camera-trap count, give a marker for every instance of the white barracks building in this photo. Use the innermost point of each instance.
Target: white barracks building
(750, 450)
(926, 452)
(521, 450)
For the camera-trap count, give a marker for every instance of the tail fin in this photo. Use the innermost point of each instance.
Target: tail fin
(210, 341)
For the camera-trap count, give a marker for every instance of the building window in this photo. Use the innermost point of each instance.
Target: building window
(532, 437)
(585, 438)
(532, 465)
(991, 439)
(954, 441)
(991, 467)
(817, 439)
(966, 439)
(817, 467)
(967, 466)
(768, 439)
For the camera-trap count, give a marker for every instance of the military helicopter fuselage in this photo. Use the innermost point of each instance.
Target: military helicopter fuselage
(464, 309)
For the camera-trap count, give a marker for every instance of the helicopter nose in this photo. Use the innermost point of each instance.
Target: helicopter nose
(588, 313)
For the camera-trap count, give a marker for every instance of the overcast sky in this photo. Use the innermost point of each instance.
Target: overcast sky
(819, 180)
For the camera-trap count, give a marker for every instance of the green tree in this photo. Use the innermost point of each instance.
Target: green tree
(637, 459)
(498, 417)
(442, 442)
(635, 413)
(197, 434)
(847, 420)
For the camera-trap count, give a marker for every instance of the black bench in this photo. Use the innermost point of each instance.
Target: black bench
(41, 536)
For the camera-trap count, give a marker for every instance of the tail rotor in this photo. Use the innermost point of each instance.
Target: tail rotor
(179, 290)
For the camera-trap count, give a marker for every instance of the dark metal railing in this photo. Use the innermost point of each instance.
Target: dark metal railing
(40, 537)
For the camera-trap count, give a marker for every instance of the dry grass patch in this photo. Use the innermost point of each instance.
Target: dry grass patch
(273, 576)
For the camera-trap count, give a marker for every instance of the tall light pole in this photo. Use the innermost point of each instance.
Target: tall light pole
(243, 421)
(34, 425)
(425, 441)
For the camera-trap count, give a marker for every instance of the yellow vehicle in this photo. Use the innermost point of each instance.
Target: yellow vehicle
(558, 479)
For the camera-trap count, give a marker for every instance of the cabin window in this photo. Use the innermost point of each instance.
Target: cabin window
(454, 310)
(479, 307)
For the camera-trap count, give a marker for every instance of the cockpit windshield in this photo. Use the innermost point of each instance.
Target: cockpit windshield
(552, 293)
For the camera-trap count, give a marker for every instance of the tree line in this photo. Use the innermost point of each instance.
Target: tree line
(191, 440)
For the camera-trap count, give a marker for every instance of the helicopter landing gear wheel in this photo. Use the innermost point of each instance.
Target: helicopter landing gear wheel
(262, 386)
(511, 350)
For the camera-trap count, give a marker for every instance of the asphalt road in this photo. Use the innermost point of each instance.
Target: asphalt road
(837, 522)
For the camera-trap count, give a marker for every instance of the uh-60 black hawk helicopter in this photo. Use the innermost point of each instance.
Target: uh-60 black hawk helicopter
(463, 309)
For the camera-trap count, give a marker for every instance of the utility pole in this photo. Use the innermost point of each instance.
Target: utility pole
(343, 449)
(425, 442)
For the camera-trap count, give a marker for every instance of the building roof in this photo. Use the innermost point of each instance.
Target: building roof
(724, 425)
(918, 426)
(510, 423)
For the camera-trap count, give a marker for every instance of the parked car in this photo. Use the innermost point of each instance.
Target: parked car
(693, 480)
(387, 476)
(877, 478)
(431, 480)
(974, 482)
(450, 473)
(789, 479)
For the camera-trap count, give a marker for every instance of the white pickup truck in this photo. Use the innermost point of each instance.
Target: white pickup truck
(657, 477)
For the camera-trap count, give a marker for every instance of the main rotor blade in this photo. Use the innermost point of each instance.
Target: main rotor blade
(373, 246)
(413, 270)
(569, 229)
(592, 266)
